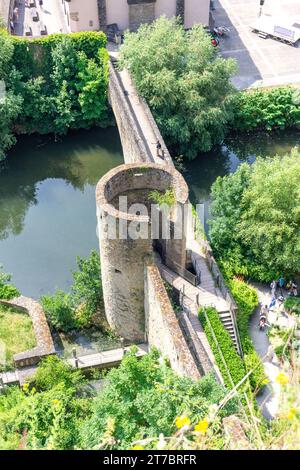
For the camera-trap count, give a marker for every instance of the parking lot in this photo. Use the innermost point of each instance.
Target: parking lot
(50, 14)
(262, 62)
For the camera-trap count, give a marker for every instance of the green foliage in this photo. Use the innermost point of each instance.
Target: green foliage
(143, 397)
(52, 372)
(166, 198)
(47, 414)
(267, 109)
(59, 310)
(10, 102)
(53, 84)
(7, 291)
(87, 285)
(177, 73)
(292, 304)
(246, 299)
(233, 361)
(76, 309)
(255, 225)
(16, 334)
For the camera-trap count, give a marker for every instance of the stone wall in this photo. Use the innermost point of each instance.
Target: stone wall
(102, 14)
(133, 144)
(140, 12)
(123, 255)
(162, 327)
(45, 345)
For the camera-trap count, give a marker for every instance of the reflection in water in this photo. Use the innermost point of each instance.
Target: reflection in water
(203, 171)
(47, 205)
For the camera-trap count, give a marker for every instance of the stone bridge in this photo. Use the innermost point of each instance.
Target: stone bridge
(133, 272)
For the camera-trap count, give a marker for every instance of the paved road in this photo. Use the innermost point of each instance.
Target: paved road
(262, 62)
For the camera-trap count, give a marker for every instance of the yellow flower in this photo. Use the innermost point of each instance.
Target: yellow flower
(25, 387)
(265, 382)
(202, 426)
(33, 390)
(292, 413)
(56, 402)
(282, 378)
(137, 447)
(182, 421)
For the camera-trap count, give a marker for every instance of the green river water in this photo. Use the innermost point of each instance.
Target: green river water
(47, 197)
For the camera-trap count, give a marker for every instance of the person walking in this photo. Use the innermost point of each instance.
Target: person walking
(158, 148)
(281, 282)
(273, 286)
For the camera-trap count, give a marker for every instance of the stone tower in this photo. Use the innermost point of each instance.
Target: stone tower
(126, 233)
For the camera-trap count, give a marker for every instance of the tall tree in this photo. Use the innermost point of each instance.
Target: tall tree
(185, 83)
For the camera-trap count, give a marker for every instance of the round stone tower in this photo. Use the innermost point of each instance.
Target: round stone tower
(126, 230)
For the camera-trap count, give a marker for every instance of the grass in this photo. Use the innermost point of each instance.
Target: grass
(16, 335)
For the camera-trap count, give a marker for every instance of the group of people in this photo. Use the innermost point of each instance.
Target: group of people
(277, 286)
(280, 285)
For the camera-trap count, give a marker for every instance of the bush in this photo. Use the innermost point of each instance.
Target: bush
(233, 360)
(87, 286)
(53, 84)
(143, 397)
(52, 372)
(7, 291)
(267, 109)
(59, 310)
(293, 305)
(76, 309)
(247, 300)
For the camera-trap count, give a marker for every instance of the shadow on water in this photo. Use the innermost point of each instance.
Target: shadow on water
(224, 159)
(47, 205)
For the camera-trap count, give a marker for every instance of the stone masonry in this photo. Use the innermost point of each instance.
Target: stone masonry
(45, 345)
(140, 12)
(122, 257)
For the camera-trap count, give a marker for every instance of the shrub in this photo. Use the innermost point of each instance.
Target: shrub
(52, 372)
(143, 397)
(267, 109)
(7, 291)
(76, 309)
(53, 84)
(293, 305)
(87, 286)
(247, 300)
(233, 361)
(59, 310)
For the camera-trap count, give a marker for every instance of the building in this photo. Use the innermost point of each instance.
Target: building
(6, 12)
(130, 14)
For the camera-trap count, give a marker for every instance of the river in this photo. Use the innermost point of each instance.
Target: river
(47, 197)
(47, 205)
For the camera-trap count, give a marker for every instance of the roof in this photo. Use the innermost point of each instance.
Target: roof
(5, 9)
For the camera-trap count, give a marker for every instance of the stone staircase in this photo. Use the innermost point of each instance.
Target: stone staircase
(226, 319)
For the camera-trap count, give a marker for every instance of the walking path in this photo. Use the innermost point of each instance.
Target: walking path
(270, 396)
(141, 116)
(102, 360)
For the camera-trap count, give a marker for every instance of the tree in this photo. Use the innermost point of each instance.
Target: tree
(142, 398)
(185, 84)
(10, 103)
(255, 228)
(92, 85)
